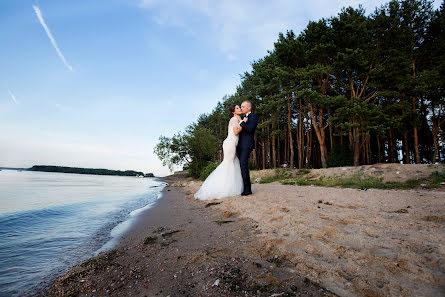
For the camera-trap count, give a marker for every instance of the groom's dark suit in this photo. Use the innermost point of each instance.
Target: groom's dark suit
(246, 143)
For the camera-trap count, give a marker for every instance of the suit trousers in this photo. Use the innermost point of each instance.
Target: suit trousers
(243, 155)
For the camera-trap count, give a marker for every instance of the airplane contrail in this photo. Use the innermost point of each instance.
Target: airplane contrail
(12, 96)
(50, 36)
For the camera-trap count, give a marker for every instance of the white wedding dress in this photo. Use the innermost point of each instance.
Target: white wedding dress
(225, 180)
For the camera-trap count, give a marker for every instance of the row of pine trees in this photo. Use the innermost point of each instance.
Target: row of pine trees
(350, 90)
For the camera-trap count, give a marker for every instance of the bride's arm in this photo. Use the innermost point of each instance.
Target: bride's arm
(236, 127)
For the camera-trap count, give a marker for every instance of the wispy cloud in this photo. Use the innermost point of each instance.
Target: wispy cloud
(236, 27)
(63, 107)
(12, 96)
(50, 36)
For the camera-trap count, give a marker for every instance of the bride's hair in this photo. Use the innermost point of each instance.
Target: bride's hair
(231, 110)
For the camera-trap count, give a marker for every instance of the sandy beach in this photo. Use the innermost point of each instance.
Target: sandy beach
(184, 247)
(285, 240)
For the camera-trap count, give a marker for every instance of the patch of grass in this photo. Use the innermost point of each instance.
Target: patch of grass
(302, 177)
(360, 182)
(435, 179)
(282, 174)
(303, 171)
(288, 182)
(355, 182)
(303, 182)
(272, 179)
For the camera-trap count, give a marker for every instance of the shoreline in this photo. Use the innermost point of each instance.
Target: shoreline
(146, 218)
(67, 220)
(114, 241)
(283, 239)
(180, 247)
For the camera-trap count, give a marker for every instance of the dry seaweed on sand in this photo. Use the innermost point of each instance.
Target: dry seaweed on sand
(220, 222)
(212, 203)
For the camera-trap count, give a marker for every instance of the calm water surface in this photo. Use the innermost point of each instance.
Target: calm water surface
(51, 221)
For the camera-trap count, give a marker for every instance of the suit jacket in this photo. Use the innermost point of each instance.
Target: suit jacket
(246, 136)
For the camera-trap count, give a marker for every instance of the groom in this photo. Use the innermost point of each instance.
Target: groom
(246, 143)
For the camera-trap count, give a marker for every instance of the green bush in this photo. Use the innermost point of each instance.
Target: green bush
(194, 169)
(205, 172)
(340, 156)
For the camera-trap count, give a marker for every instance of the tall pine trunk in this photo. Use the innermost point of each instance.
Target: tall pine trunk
(356, 145)
(278, 151)
(320, 132)
(368, 149)
(437, 122)
(263, 151)
(289, 128)
(274, 153)
(331, 134)
(286, 150)
(436, 146)
(308, 142)
(391, 145)
(379, 149)
(363, 149)
(300, 138)
(268, 148)
(405, 148)
(416, 137)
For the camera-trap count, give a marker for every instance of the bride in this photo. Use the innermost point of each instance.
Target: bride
(226, 180)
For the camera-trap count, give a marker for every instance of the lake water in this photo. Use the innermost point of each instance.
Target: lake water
(52, 221)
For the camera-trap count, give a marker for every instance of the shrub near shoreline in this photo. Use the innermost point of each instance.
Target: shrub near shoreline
(205, 172)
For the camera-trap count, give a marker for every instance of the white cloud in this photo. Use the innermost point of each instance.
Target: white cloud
(368, 5)
(12, 96)
(50, 36)
(236, 26)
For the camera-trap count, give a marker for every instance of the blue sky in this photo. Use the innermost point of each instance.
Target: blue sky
(104, 79)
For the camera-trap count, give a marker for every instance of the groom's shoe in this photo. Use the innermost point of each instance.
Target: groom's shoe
(246, 193)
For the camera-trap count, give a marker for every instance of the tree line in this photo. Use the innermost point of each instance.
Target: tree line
(96, 171)
(349, 90)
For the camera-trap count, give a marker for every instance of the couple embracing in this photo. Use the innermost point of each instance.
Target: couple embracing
(231, 177)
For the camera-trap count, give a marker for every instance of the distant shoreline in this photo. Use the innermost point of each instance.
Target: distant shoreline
(80, 170)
